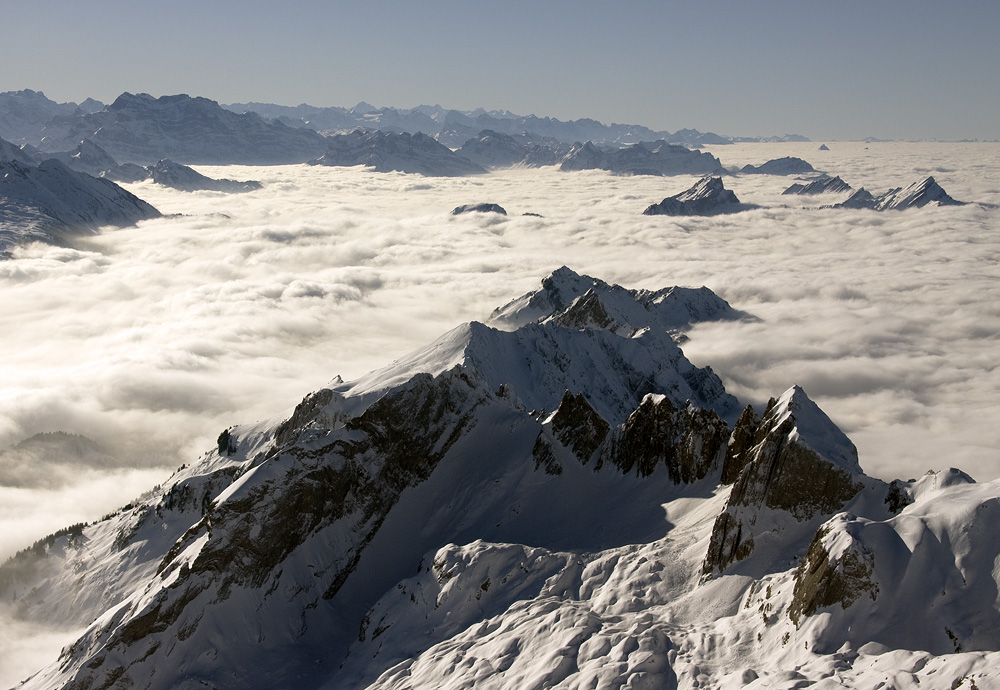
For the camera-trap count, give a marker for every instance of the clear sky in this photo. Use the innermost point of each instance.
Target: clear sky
(840, 69)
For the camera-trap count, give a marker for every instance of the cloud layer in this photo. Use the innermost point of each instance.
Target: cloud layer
(151, 340)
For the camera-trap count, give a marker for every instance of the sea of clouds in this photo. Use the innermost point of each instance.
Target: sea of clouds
(147, 342)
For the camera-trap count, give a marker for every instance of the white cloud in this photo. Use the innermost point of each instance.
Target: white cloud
(150, 340)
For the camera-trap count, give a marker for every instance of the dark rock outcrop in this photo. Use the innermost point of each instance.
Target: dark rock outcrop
(822, 580)
(578, 426)
(479, 208)
(789, 165)
(690, 442)
(801, 466)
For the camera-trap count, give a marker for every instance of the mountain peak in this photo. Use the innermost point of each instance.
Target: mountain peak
(814, 429)
(706, 197)
(916, 195)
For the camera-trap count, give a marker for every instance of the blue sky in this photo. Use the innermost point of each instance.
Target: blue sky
(831, 70)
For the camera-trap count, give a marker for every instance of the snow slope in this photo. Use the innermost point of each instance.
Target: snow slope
(41, 202)
(556, 505)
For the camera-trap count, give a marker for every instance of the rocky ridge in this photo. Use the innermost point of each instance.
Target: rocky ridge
(917, 195)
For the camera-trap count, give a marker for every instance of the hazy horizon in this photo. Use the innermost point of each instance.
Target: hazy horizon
(843, 71)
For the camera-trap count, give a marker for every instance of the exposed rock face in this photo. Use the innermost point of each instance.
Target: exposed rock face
(917, 195)
(138, 128)
(50, 199)
(689, 441)
(388, 151)
(707, 197)
(336, 487)
(822, 580)
(821, 185)
(789, 165)
(170, 174)
(739, 450)
(800, 465)
(643, 158)
(823, 147)
(479, 208)
(578, 426)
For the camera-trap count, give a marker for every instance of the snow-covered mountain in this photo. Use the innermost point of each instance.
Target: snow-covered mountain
(388, 151)
(917, 195)
(821, 185)
(495, 150)
(567, 502)
(48, 200)
(454, 127)
(23, 114)
(707, 197)
(141, 129)
(643, 158)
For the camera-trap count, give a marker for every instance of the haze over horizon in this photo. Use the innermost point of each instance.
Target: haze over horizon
(844, 71)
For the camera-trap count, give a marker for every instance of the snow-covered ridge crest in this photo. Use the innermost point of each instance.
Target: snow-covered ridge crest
(814, 429)
(573, 299)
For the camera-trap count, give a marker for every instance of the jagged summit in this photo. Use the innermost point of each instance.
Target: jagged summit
(917, 195)
(821, 185)
(707, 197)
(617, 343)
(570, 298)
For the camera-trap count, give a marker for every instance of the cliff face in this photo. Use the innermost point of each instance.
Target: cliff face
(798, 466)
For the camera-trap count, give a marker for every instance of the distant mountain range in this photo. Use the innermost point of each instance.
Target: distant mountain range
(454, 127)
(29, 117)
